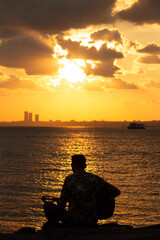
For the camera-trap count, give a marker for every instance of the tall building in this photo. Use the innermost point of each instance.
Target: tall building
(36, 118)
(30, 117)
(26, 117)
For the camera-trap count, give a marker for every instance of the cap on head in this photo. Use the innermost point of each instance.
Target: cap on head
(79, 159)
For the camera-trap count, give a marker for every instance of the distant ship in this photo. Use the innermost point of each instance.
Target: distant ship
(134, 125)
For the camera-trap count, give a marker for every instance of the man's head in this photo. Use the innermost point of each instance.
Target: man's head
(78, 162)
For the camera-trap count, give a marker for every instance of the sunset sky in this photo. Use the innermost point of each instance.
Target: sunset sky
(80, 59)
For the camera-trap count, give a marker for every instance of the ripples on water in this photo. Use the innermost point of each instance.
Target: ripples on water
(35, 161)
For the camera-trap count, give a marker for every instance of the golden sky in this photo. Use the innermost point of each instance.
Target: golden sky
(82, 60)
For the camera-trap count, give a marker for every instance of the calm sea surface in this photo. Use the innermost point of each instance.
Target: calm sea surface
(35, 161)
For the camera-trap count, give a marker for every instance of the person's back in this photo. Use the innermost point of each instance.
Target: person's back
(80, 190)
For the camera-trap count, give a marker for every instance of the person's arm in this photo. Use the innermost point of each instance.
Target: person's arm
(64, 198)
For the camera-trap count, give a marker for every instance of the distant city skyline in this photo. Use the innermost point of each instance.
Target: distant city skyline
(30, 117)
(29, 121)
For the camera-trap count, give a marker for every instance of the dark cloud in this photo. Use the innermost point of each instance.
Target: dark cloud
(143, 11)
(150, 49)
(14, 83)
(77, 51)
(7, 32)
(51, 16)
(153, 58)
(107, 35)
(28, 52)
(104, 69)
(99, 85)
(149, 60)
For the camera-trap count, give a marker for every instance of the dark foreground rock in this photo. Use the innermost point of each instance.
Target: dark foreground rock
(104, 232)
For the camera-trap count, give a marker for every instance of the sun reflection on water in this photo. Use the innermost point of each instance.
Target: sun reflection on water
(38, 164)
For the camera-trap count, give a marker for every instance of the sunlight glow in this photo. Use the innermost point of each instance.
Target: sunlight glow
(123, 4)
(98, 44)
(111, 44)
(91, 63)
(72, 71)
(59, 51)
(82, 36)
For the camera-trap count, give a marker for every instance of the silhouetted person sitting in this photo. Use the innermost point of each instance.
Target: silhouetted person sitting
(86, 194)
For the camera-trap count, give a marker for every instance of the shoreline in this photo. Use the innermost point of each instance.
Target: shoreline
(101, 232)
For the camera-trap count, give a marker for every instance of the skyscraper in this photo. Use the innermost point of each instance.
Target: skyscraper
(30, 117)
(26, 117)
(36, 118)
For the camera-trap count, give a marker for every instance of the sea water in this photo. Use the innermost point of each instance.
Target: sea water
(35, 162)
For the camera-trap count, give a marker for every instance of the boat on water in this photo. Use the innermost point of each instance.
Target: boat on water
(135, 125)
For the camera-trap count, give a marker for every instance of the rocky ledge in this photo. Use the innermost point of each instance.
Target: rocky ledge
(103, 232)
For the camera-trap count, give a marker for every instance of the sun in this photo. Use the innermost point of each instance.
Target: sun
(72, 71)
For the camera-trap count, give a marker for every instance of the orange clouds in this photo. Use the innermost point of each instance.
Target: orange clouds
(103, 58)
(52, 16)
(14, 83)
(115, 83)
(28, 52)
(143, 11)
(153, 50)
(149, 60)
(150, 49)
(107, 35)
